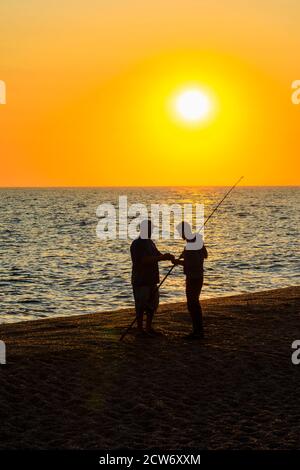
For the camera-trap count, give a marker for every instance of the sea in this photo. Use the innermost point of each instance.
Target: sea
(52, 263)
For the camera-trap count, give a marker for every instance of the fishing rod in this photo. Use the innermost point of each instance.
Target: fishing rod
(209, 217)
(173, 266)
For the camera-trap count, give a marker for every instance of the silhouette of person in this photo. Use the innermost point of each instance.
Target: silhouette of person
(192, 262)
(145, 275)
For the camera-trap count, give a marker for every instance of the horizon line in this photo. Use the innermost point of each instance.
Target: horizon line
(154, 186)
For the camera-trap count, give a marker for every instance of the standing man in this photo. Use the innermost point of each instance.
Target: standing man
(145, 275)
(193, 260)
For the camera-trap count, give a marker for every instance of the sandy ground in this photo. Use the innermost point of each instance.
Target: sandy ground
(69, 382)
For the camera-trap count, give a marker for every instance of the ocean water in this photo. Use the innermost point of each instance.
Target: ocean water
(53, 264)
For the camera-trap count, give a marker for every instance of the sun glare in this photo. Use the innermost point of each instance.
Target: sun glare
(192, 106)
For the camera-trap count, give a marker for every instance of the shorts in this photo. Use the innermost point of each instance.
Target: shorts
(146, 299)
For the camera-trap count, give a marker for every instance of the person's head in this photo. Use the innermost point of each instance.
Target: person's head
(146, 229)
(184, 230)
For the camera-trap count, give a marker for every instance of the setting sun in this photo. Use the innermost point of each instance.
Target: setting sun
(148, 80)
(192, 106)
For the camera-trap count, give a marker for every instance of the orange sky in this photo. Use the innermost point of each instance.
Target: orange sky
(88, 85)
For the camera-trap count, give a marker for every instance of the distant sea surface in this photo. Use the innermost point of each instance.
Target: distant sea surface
(53, 264)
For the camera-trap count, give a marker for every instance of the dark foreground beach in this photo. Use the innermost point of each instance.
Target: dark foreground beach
(69, 383)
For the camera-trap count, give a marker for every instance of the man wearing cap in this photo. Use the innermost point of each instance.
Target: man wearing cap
(192, 262)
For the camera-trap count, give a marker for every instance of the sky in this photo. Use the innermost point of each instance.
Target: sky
(90, 86)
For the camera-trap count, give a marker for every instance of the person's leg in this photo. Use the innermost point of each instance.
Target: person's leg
(198, 308)
(189, 290)
(149, 318)
(139, 306)
(152, 306)
(139, 320)
(193, 290)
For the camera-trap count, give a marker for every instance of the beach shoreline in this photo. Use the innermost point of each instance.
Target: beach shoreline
(69, 383)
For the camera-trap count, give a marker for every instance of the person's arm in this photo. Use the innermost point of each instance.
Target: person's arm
(205, 254)
(159, 257)
(178, 262)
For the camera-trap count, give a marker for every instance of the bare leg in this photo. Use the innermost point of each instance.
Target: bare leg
(149, 321)
(139, 318)
(193, 290)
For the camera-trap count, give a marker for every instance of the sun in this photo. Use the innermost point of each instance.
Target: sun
(192, 106)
